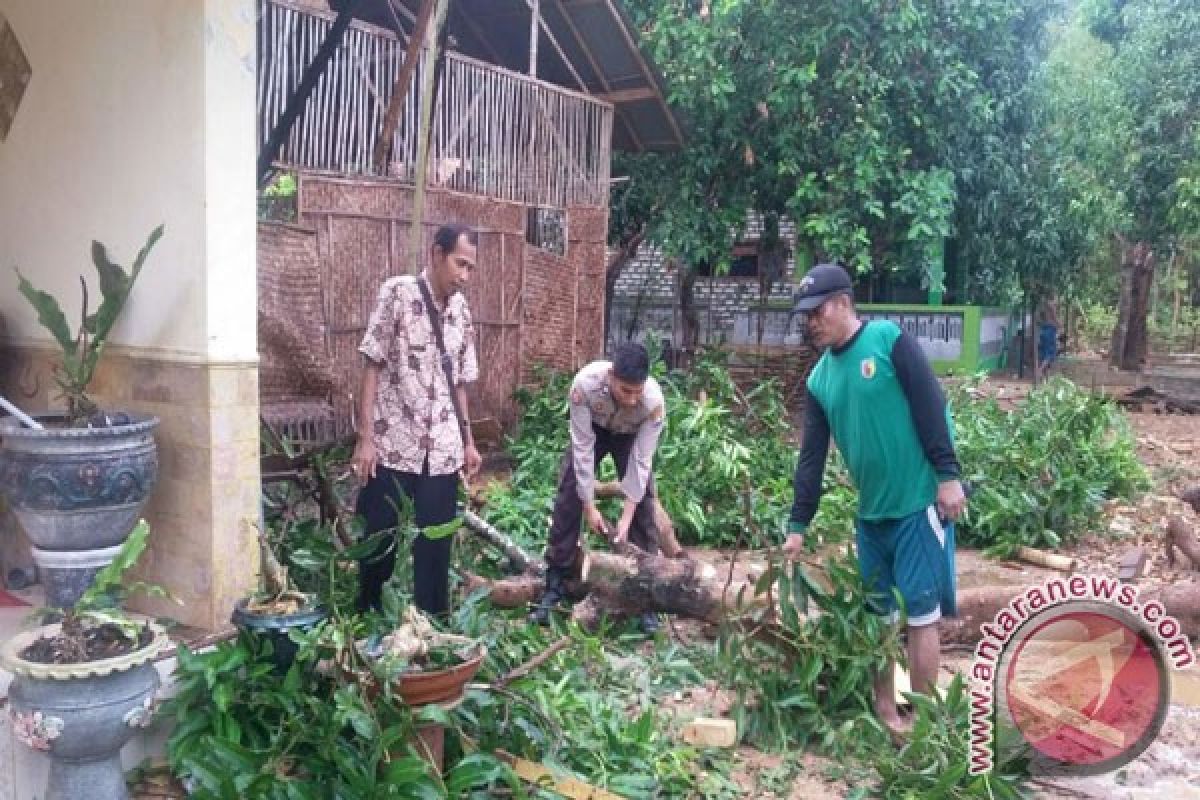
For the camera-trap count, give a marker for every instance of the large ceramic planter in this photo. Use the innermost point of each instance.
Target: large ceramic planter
(81, 715)
(77, 490)
(277, 629)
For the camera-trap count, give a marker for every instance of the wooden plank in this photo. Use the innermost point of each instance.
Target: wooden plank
(628, 95)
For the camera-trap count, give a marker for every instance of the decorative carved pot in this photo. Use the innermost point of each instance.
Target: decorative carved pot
(81, 715)
(277, 628)
(75, 490)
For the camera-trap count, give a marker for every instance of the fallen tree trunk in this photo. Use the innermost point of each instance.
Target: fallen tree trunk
(632, 584)
(666, 528)
(979, 606)
(637, 582)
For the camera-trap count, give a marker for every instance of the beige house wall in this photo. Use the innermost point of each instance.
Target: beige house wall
(142, 112)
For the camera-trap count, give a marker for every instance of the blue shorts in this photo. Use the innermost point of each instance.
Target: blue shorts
(1047, 343)
(915, 555)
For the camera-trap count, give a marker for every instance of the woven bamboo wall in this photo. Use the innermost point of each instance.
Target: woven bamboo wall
(530, 306)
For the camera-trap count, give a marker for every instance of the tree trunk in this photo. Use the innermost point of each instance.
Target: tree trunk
(981, 605)
(687, 310)
(632, 584)
(1180, 537)
(1116, 351)
(1129, 342)
(625, 252)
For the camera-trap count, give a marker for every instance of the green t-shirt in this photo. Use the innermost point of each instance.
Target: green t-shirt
(869, 415)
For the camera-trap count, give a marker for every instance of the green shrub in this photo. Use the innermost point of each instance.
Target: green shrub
(1042, 471)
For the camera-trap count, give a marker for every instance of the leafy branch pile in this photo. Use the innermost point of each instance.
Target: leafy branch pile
(803, 678)
(1042, 471)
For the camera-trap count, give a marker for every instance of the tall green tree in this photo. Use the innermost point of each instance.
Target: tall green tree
(1156, 64)
(864, 121)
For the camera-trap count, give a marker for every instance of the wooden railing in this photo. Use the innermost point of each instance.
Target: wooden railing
(495, 133)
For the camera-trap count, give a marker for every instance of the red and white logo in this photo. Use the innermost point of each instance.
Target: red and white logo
(1086, 686)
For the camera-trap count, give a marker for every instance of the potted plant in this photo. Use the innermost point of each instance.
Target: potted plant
(423, 667)
(83, 686)
(77, 482)
(276, 609)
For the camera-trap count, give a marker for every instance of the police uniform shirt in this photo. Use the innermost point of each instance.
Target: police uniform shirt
(593, 404)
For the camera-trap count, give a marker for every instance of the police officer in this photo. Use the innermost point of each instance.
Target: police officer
(617, 410)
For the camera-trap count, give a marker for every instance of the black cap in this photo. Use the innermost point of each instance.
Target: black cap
(821, 283)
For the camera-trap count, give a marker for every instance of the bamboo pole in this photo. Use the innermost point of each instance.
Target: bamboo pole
(415, 236)
(383, 145)
(535, 14)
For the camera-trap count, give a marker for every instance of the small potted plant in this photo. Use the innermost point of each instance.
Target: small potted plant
(276, 609)
(423, 667)
(84, 685)
(77, 481)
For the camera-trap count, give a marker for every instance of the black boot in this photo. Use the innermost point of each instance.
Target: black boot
(554, 594)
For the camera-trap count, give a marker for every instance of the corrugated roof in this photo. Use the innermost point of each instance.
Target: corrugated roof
(590, 45)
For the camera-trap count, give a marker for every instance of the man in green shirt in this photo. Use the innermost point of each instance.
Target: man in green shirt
(874, 390)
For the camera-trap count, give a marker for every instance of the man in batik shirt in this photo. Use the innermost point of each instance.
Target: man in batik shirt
(410, 441)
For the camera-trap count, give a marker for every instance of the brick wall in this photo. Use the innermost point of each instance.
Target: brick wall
(651, 287)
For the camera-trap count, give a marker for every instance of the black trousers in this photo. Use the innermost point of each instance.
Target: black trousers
(434, 499)
(568, 508)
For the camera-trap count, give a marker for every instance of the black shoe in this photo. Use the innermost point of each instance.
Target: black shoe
(650, 624)
(541, 613)
(555, 593)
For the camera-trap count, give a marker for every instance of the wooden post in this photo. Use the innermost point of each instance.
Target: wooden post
(412, 53)
(415, 237)
(535, 14)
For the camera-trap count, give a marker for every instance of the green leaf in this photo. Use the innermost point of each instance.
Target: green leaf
(49, 313)
(115, 287)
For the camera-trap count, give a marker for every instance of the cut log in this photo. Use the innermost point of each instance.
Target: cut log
(1181, 537)
(975, 607)
(1181, 601)
(632, 584)
(666, 528)
(1040, 558)
(640, 582)
(644, 582)
(981, 605)
(1191, 496)
(515, 592)
(1132, 565)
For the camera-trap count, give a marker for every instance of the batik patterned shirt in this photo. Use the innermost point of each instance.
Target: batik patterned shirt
(414, 413)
